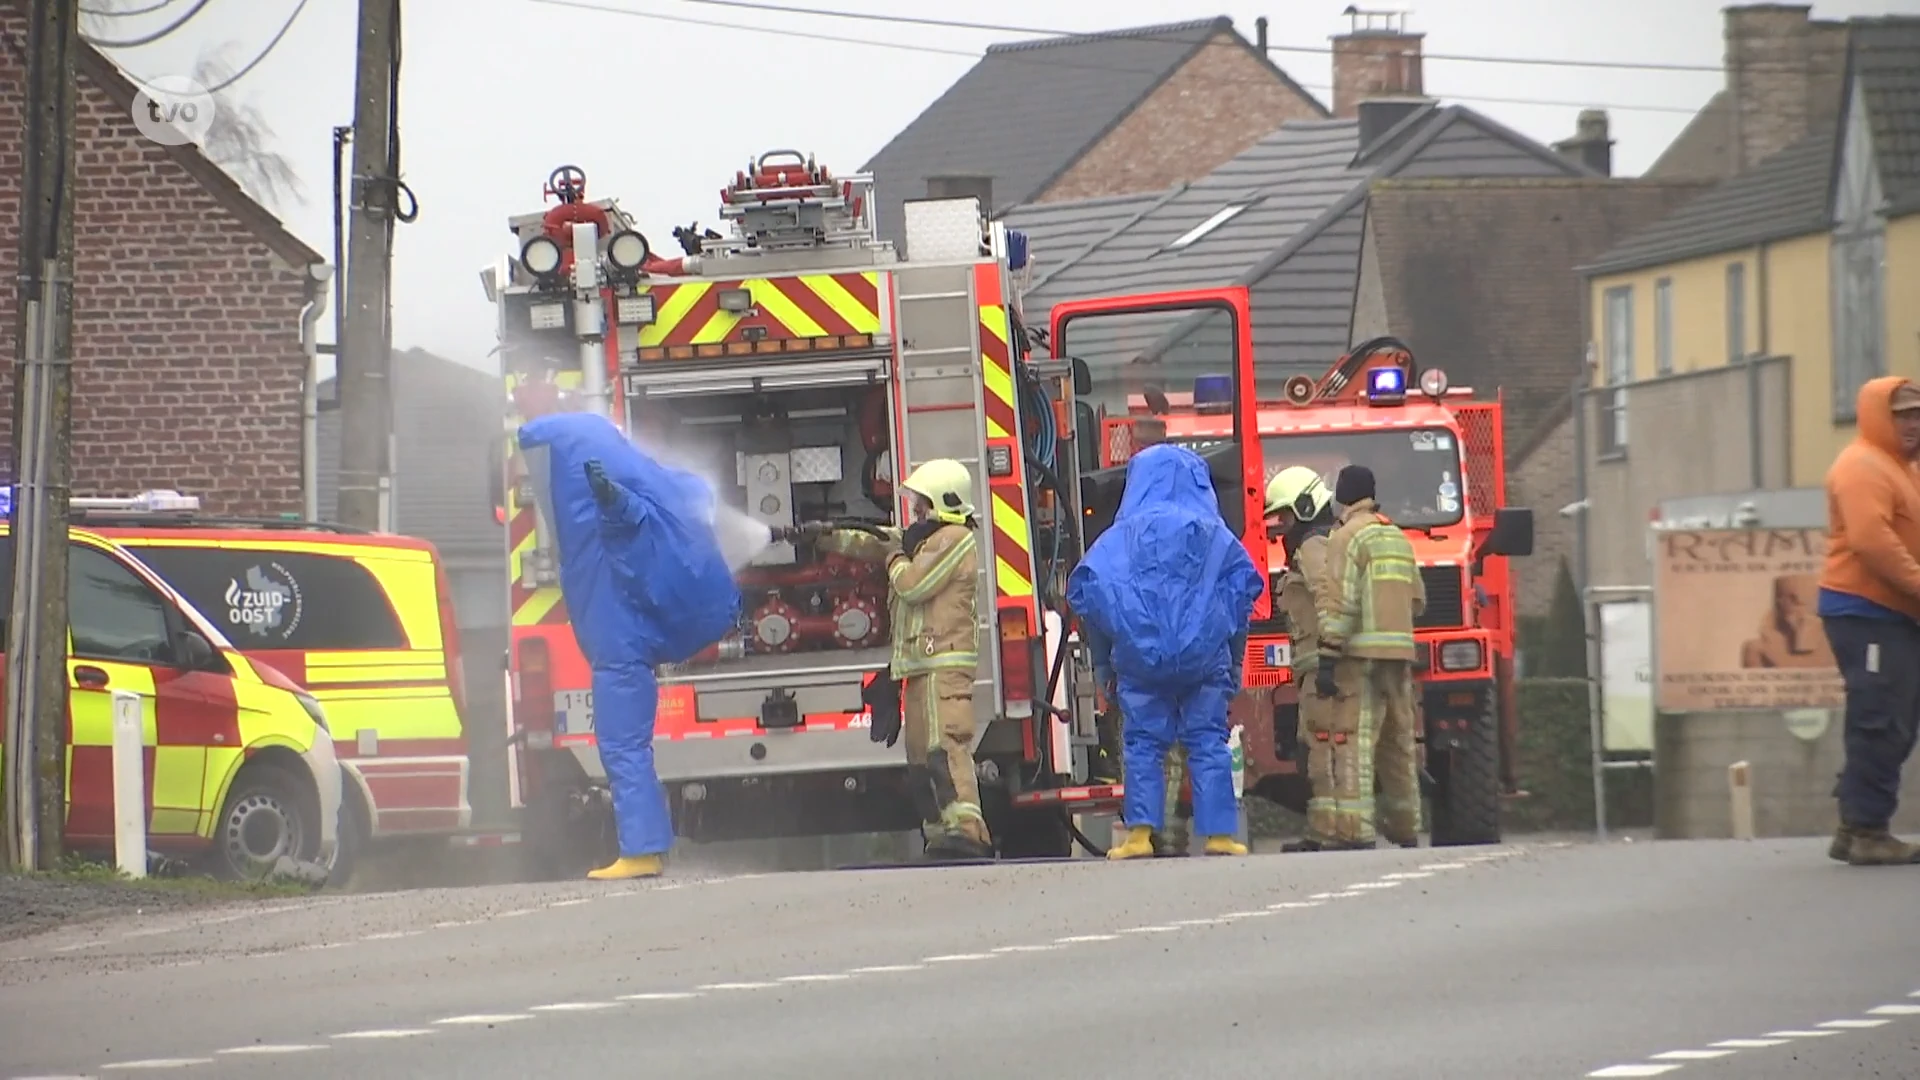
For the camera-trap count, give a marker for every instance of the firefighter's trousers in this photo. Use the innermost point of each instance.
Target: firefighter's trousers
(937, 724)
(1365, 733)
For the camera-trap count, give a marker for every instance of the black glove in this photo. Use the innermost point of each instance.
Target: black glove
(1323, 683)
(917, 534)
(604, 492)
(882, 699)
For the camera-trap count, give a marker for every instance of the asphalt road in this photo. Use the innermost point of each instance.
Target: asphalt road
(1707, 960)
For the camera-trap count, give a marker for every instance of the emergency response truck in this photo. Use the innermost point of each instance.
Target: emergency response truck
(1440, 463)
(803, 367)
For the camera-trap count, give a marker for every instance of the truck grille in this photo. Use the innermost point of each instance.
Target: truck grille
(1446, 598)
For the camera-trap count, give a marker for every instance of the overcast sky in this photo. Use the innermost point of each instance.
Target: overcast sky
(660, 114)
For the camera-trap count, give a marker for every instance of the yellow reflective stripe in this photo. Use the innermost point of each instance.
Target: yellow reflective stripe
(326, 694)
(393, 717)
(333, 658)
(389, 673)
(672, 310)
(1010, 580)
(536, 607)
(936, 575)
(336, 549)
(863, 319)
(1009, 521)
(999, 383)
(410, 589)
(222, 763)
(272, 715)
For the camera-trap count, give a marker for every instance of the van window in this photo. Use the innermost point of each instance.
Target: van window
(113, 614)
(263, 599)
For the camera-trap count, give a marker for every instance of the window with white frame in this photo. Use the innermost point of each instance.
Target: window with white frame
(1858, 265)
(1736, 312)
(1618, 344)
(1662, 326)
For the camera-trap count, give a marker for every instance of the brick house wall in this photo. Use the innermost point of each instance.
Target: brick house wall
(1540, 476)
(188, 363)
(1783, 75)
(1209, 111)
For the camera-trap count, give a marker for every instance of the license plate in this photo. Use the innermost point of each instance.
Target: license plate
(1280, 655)
(573, 712)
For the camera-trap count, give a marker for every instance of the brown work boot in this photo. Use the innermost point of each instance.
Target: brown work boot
(1878, 847)
(1842, 844)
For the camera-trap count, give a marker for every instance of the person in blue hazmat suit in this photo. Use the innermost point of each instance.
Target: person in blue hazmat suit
(1170, 588)
(645, 583)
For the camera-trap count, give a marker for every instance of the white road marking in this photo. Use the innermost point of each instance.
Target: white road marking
(1198, 922)
(955, 958)
(581, 1006)
(572, 903)
(1344, 895)
(318, 946)
(1374, 885)
(1025, 948)
(1078, 938)
(159, 1063)
(1853, 1025)
(1798, 1034)
(516, 912)
(1894, 1010)
(273, 1048)
(1407, 875)
(736, 986)
(384, 1033)
(1323, 896)
(884, 969)
(835, 977)
(78, 947)
(664, 995)
(1288, 905)
(1750, 1044)
(1445, 866)
(486, 1018)
(1260, 914)
(1692, 1055)
(1150, 930)
(1633, 1070)
(393, 935)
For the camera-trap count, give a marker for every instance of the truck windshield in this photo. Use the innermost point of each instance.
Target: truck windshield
(1416, 471)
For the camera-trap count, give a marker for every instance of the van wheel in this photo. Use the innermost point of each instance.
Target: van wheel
(269, 815)
(353, 832)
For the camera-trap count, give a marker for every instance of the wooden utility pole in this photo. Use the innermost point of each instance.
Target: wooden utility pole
(365, 361)
(36, 691)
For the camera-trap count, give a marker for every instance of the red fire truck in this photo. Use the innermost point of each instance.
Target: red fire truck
(803, 366)
(1439, 458)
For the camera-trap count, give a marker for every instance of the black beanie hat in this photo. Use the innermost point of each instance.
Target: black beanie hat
(1354, 483)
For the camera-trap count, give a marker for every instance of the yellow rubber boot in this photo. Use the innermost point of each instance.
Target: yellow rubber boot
(1138, 845)
(628, 867)
(1225, 845)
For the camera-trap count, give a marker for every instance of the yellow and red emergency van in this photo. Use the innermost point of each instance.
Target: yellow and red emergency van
(240, 766)
(364, 621)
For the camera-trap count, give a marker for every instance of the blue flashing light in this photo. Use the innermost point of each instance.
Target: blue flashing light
(1016, 249)
(6, 502)
(1213, 393)
(1386, 384)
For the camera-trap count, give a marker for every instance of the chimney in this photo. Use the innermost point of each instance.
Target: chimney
(1260, 34)
(1376, 57)
(1379, 114)
(963, 187)
(1590, 145)
(1783, 75)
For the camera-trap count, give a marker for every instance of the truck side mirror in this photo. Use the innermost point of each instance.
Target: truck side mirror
(1082, 377)
(196, 652)
(1512, 533)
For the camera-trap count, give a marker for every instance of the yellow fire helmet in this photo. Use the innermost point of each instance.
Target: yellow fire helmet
(1299, 489)
(947, 485)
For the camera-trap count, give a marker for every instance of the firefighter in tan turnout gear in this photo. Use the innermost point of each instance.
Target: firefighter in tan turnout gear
(1300, 514)
(1364, 667)
(933, 573)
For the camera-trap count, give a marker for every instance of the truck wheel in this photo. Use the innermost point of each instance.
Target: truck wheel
(1466, 806)
(354, 832)
(270, 814)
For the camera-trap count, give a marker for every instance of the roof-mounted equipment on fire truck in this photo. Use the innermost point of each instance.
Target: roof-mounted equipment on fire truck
(1387, 386)
(1433, 383)
(1298, 390)
(785, 200)
(1213, 394)
(160, 501)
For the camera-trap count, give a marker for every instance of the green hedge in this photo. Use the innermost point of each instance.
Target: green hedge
(1555, 765)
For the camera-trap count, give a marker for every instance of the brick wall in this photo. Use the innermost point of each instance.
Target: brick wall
(1783, 74)
(1370, 64)
(188, 364)
(1215, 106)
(1544, 481)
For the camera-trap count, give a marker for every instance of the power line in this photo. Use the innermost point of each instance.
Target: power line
(149, 39)
(998, 28)
(1019, 58)
(243, 72)
(109, 13)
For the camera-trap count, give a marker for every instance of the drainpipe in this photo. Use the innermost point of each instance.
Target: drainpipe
(1756, 454)
(319, 274)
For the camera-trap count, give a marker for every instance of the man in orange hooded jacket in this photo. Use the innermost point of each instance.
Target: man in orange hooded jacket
(1870, 606)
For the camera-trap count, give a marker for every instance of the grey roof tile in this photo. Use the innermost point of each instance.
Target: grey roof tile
(1886, 60)
(1704, 148)
(1784, 196)
(1028, 110)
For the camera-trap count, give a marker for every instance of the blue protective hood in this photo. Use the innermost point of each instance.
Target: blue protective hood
(1168, 583)
(644, 581)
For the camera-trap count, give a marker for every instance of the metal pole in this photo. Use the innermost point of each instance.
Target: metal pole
(1583, 582)
(38, 702)
(1596, 715)
(363, 362)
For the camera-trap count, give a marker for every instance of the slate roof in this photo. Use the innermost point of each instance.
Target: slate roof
(1029, 110)
(1478, 276)
(1785, 196)
(1885, 58)
(447, 416)
(1296, 244)
(1704, 148)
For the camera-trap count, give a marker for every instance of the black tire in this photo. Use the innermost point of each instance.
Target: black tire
(270, 813)
(565, 837)
(1025, 834)
(1466, 805)
(354, 831)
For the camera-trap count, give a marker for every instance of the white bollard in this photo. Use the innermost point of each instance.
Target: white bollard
(129, 785)
(1740, 791)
